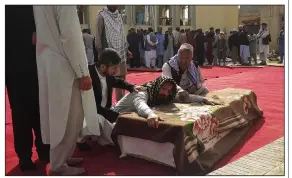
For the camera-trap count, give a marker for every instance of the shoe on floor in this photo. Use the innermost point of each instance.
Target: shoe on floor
(74, 161)
(67, 171)
(27, 165)
(84, 147)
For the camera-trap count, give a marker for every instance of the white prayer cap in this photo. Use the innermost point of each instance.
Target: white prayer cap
(234, 30)
(222, 32)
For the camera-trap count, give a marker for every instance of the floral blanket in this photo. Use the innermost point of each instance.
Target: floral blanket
(202, 134)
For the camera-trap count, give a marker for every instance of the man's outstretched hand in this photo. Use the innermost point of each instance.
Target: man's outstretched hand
(208, 102)
(85, 83)
(183, 95)
(153, 121)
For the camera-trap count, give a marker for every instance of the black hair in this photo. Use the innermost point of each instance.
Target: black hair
(217, 30)
(211, 28)
(109, 57)
(150, 29)
(177, 29)
(182, 30)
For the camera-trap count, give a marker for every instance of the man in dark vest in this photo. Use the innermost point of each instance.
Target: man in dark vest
(21, 80)
(185, 72)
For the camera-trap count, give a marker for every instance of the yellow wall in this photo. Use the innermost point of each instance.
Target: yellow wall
(223, 17)
(271, 16)
(93, 10)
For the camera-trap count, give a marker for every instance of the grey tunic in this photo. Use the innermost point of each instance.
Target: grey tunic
(88, 43)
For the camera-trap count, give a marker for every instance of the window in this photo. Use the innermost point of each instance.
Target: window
(143, 15)
(164, 16)
(185, 16)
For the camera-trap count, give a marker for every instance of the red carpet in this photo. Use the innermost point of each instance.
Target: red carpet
(268, 84)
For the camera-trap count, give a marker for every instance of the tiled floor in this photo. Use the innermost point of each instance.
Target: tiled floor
(268, 160)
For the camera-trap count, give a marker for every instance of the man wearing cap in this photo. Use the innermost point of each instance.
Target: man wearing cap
(264, 40)
(244, 46)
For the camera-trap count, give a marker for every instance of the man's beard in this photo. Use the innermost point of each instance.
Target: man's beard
(112, 10)
(162, 100)
(105, 73)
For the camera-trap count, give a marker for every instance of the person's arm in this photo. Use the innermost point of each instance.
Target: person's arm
(150, 42)
(230, 43)
(98, 33)
(226, 45)
(165, 42)
(107, 113)
(191, 99)
(266, 33)
(140, 103)
(200, 76)
(71, 38)
(166, 71)
(122, 84)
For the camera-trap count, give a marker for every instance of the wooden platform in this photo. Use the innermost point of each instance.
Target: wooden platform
(268, 160)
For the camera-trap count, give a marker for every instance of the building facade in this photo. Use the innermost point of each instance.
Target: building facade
(189, 16)
(183, 16)
(274, 17)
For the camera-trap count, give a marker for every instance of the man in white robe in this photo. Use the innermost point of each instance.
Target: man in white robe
(63, 73)
(264, 39)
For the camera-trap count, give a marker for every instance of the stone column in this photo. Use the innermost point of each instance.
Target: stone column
(155, 17)
(175, 16)
(193, 16)
(128, 12)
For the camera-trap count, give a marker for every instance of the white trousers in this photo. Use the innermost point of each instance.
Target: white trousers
(244, 53)
(65, 149)
(150, 58)
(264, 51)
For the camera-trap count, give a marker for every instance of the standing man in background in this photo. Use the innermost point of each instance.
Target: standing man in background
(264, 40)
(160, 47)
(150, 48)
(176, 35)
(281, 43)
(244, 47)
(110, 34)
(21, 80)
(215, 47)
(63, 74)
(88, 43)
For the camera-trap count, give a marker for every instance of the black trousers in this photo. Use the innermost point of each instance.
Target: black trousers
(135, 61)
(22, 88)
(200, 57)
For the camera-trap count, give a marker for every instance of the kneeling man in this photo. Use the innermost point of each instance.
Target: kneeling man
(185, 72)
(161, 91)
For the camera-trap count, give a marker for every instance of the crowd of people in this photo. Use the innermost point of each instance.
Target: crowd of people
(240, 45)
(68, 90)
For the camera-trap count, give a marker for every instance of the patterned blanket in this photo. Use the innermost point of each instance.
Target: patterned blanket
(202, 134)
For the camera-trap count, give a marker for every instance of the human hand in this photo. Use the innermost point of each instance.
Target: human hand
(33, 39)
(192, 89)
(153, 120)
(139, 88)
(207, 102)
(183, 95)
(129, 55)
(85, 83)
